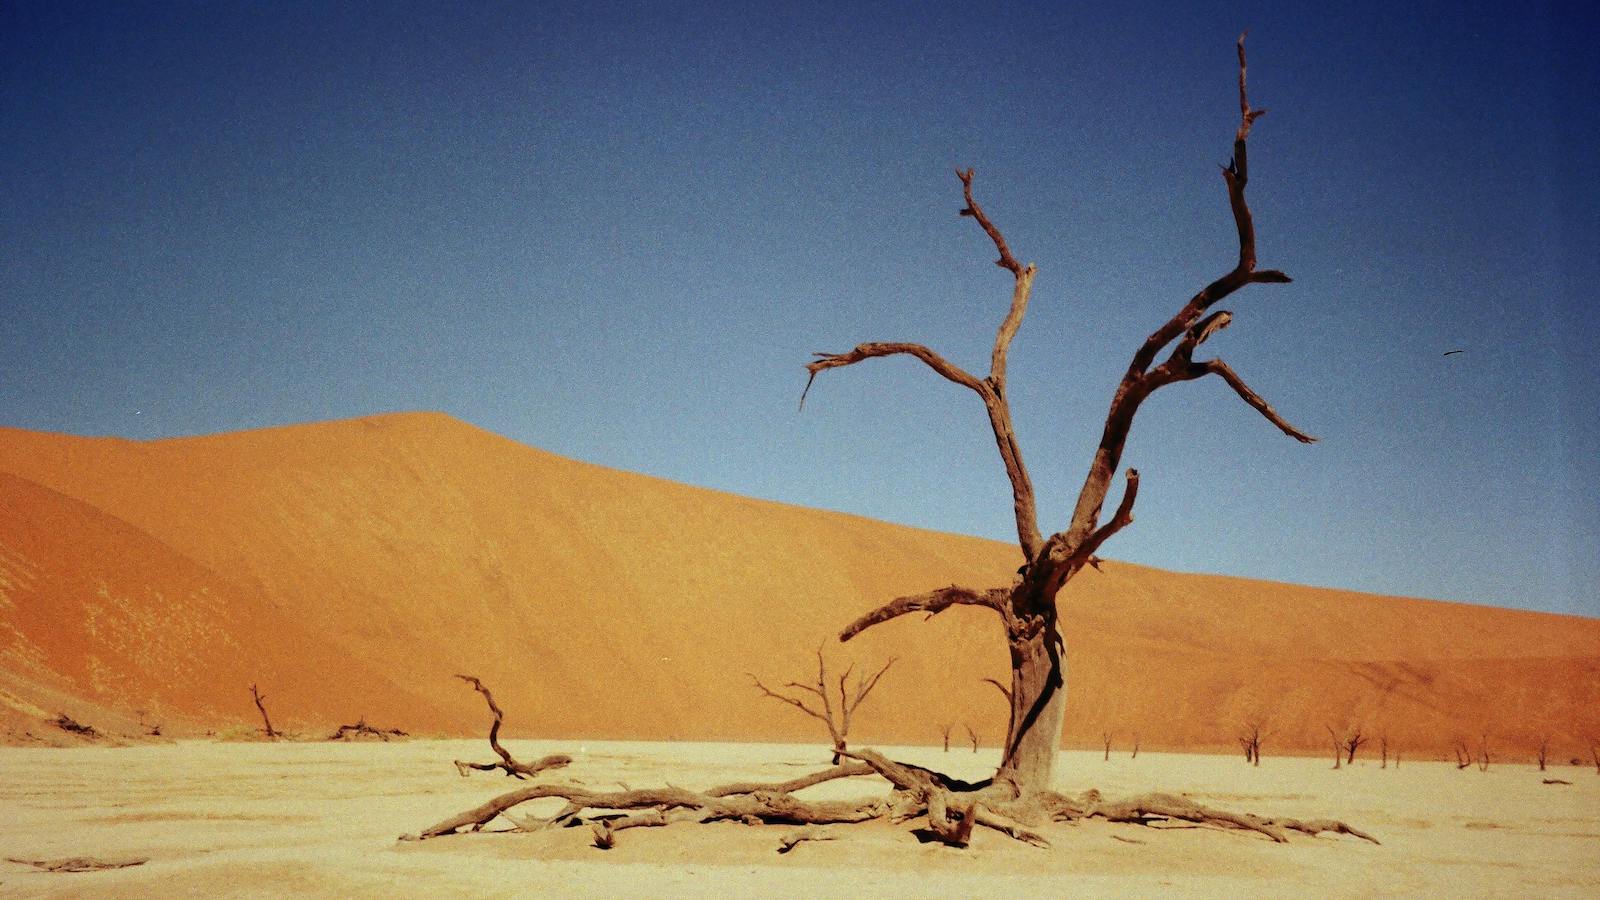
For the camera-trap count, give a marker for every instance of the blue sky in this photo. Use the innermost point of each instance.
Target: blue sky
(617, 231)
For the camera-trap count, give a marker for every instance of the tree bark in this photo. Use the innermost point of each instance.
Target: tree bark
(1038, 711)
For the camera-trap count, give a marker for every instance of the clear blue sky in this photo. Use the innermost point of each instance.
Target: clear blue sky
(617, 231)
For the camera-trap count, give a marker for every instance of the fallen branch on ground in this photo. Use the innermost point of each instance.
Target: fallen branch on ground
(361, 729)
(80, 863)
(507, 762)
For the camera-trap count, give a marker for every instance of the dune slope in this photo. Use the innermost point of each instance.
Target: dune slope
(352, 567)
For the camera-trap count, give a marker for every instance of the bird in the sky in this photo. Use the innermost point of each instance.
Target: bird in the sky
(1453, 352)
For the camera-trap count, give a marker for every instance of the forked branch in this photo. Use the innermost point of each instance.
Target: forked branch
(1121, 519)
(1190, 326)
(990, 389)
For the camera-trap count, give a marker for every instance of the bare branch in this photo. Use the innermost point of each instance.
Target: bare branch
(864, 686)
(1247, 116)
(1006, 260)
(932, 602)
(992, 389)
(797, 704)
(873, 350)
(1004, 691)
(1226, 372)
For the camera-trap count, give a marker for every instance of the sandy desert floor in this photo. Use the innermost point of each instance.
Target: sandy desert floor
(320, 819)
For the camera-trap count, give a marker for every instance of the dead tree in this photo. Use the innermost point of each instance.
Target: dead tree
(1019, 795)
(1135, 745)
(1352, 743)
(836, 718)
(507, 764)
(1250, 741)
(1338, 747)
(1105, 741)
(1383, 750)
(1544, 750)
(261, 704)
(1027, 607)
(971, 736)
(1463, 753)
(945, 730)
(1483, 752)
(1594, 754)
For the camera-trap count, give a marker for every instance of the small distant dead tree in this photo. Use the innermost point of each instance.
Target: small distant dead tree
(1338, 747)
(1594, 754)
(1105, 740)
(1136, 745)
(971, 736)
(261, 704)
(1544, 750)
(1250, 742)
(1352, 743)
(1483, 752)
(945, 730)
(1463, 753)
(836, 718)
(507, 764)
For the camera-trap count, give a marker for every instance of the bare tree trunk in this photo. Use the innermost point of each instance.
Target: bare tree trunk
(1338, 748)
(1105, 738)
(1135, 745)
(946, 730)
(1038, 713)
(971, 736)
(1544, 750)
(261, 704)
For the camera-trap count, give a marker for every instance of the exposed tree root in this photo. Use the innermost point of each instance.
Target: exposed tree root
(952, 808)
(507, 763)
(1148, 808)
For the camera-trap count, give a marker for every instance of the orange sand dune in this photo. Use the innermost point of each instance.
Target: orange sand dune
(352, 567)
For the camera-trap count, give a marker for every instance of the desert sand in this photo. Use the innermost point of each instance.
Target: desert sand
(351, 568)
(257, 819)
